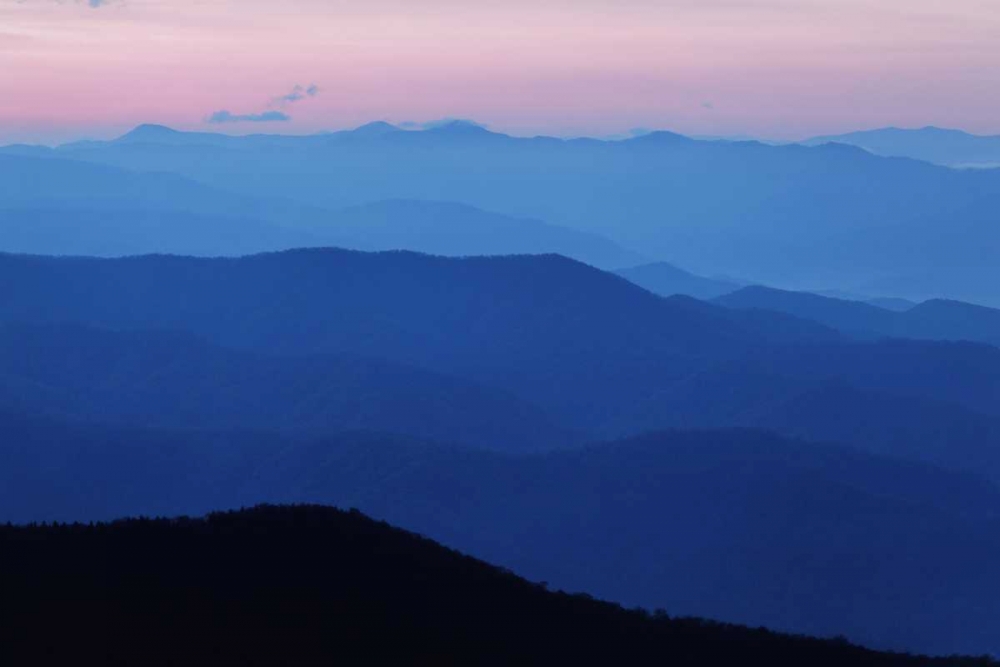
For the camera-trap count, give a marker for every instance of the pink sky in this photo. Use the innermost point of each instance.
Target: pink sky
(769, 68)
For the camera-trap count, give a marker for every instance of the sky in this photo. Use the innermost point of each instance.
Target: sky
(781, 69)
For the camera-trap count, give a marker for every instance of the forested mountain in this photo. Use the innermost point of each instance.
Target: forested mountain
(934, 431)
(735, 525)
(595, 351)
(936, 319)
(172, 385)
(544, 327)
(636, 395)
(166, 379)
(313, 585)
(659, 193)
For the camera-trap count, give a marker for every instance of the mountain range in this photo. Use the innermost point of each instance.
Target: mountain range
(860, 219)
(737, 525)
(572, 348)
(489, 340)
(937, 319)
(61, 207)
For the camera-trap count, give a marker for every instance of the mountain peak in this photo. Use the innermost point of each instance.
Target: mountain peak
(149, 131)
(459, 127)
(375, 128)
(660, 137)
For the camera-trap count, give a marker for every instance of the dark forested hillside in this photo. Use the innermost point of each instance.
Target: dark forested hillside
(741, 526)
(311, 586)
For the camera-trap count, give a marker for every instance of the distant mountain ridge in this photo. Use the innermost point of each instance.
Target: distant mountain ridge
(659, 194)
(666, 280)
(952, 148)
(59, 207)
(457, 230)
(936, 319)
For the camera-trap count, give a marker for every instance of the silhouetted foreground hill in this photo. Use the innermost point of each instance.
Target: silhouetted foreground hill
(742, 526)
(311, 586)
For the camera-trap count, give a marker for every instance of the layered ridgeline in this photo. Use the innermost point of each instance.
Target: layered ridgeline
(931, 320)
(311, 586)
(952, 148)
(784, 215)
(667, 280)
(166, 385)
(740, 526)
(62, 207)
(544, 327)
(170, 379)
(569, 348)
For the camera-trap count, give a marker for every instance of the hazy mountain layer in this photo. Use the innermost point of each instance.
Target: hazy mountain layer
(782, 215)
(931, 320)
(953, 148)
(666, 280)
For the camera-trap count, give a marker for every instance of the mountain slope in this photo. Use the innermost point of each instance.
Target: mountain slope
(952, 148)
(61, 207)
(934, 431)
(666, 280)
(597, 353)
(737, 525)
(311, 585)
(544, 327)
(853, 317)
(449, 229)
(932, 320)
(173, 380)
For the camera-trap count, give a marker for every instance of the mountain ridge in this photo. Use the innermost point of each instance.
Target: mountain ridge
(354, 583)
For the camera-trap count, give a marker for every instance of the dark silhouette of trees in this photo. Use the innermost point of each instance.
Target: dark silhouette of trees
(309, 585)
